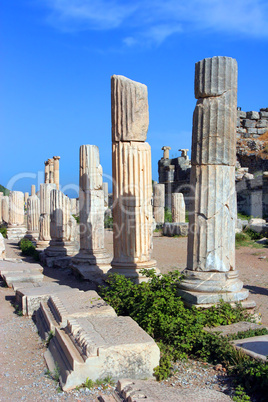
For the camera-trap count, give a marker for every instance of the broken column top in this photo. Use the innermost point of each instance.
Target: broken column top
(130, 113)
(184, 152)
(56, 157)
(214, 76)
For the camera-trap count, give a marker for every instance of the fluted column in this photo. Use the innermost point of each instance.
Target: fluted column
(92, 257)
(46, 179)
(57, 171)
(5, 208)
(16, 227)
(210, 273)
(159, 203)
(33, 216)
(51, 170)
(178, 207)
(132, 179)
(44, 227)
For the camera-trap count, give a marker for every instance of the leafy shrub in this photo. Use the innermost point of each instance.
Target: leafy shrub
(3, 230)
(168, 215)
(77, 218)
(108, 222)
(28, 249)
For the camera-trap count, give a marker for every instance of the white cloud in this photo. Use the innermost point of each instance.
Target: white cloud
(153, 21)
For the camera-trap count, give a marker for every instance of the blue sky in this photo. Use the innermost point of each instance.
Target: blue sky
(58, 57)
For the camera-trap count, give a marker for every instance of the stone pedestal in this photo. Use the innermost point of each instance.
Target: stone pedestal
(33, 216)
(159, 203)
(178, 207)
(44, 223)
(16, 228)
(92, 261)
(210, 275)
(57, 171)
(132, 179)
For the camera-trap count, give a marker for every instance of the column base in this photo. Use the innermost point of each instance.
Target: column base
(16, 232)
(132, 270)
(93, 267)
(58, 254)
(42, 245)
(204, 289)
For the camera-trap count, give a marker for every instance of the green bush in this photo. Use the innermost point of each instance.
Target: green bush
(178, 330)
(108, 222)
(3, 230)
(168, 215)
(28, 249)
(77, 218)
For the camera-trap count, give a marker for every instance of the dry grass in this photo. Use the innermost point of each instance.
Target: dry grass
(264, 137)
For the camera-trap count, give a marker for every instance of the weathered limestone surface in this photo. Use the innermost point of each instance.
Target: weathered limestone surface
(159, 203)
(57, 171)
(106, 194)
(92, 258)
(46, 180)
(26, 196)
(130, 112)
(33, 190)
(210, 273)
(132, 178)
(175, 229)
(99, 346)
(61, 226)
(20, 272)
(16, 228)
(51, 170)
(44, 223)
(5, 208)
(33, 216)
(178, 207)
(166, 152)
(2, 247)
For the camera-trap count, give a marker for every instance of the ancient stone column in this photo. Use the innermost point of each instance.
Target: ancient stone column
(16, 227)
(92, 258)
(26, 196)
(46, 172)
(105, 192)
(210, 275)
(132, 179)
(178, 207)
(33, 189)
(5, 208)
(159, 203)
(44, 227)
(33, 216)
(166, 152)
(184, 153)
(73, 206)
(57, 171)
(61, 244)
(51, 170)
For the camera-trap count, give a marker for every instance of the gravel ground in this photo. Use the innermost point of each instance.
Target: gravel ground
(23, 370)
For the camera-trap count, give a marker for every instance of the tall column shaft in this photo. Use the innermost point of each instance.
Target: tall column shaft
(178, 207)
(60, 211)
(210, 274)
(46, 179)
(159, 203)
(57, 171)
(16, 208)
(132, 178)
(5, 208)
(44, 226)
(33, 216)
(33, 190)
(51, 170)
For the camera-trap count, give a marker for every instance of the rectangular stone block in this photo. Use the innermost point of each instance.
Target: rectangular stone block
(262, 130)
(241, 114)
(249, 123)
(252, 131)
(264, 115)
(253, 115)
(262, 123)
(100, 346)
